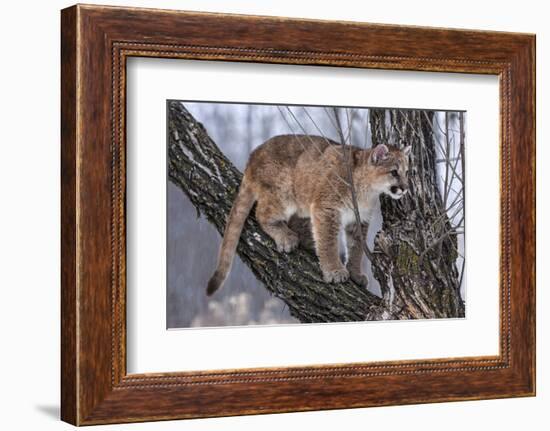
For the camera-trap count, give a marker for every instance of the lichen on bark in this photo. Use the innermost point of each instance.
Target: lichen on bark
(415, 268)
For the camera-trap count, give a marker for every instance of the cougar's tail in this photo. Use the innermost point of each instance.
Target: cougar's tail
(239, 212)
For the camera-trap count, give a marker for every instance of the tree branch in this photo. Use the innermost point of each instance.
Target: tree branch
(198, 167)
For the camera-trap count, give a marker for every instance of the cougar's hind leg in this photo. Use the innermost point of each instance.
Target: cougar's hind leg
(355, 238)
(272, 216)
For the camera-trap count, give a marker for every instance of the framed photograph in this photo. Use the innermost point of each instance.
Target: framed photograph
(264, 214)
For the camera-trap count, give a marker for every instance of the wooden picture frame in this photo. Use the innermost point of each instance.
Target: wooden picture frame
(95, 43)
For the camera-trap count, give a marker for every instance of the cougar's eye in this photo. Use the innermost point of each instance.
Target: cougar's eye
(394, 173)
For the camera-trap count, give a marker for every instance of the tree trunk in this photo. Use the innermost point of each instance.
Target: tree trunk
(210, 180)
(415, 253)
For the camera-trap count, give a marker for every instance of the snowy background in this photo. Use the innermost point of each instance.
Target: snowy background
(192, 243)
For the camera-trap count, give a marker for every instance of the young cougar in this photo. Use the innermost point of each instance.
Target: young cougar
(306, 176)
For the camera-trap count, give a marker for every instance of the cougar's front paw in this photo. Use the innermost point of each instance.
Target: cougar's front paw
(287, 243)
(338, 275)
(359, 278)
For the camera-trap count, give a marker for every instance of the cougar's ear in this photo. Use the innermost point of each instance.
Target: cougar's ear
(379, 153)
(407, 150)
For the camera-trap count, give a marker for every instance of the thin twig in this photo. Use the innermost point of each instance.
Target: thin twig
(348, 160)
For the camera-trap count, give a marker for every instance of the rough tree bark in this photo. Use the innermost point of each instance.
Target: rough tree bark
(210, 180)
(415, 252)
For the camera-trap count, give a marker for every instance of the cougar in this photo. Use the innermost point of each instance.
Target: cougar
(307, 177)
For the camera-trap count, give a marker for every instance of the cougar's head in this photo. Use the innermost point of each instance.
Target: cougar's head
(389, 170)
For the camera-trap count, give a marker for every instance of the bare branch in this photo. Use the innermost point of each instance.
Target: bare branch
(210, 181)
(348, 161)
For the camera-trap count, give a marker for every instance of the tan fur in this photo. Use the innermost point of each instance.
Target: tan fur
(305, 177)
